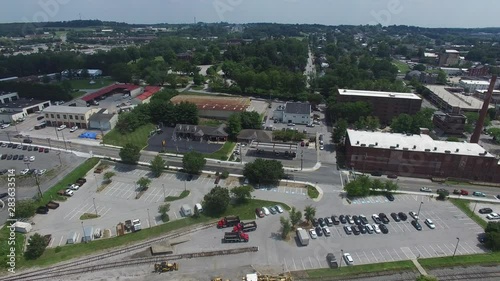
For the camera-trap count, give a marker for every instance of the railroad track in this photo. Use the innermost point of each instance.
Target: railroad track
(470, 276)
(111, 254)
(56, 273)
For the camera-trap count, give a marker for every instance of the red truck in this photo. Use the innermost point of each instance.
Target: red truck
(228, 221)
(245, 226)
(461, 192)
(232, 237)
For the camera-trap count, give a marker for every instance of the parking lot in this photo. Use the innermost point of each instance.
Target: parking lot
(179, 145)
(117, 203)
(13, 158)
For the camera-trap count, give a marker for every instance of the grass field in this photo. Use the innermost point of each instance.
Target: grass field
(84, 83)
(312, 192)
(77, 94)
(52, 256)
(138, 137)
(402, 67)
(5, 247)
(482, 259)
(209, 122)
(223, 152)
(361, 269)
(464, 206)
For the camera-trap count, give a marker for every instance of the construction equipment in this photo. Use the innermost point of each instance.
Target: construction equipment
(245, 226)
(235, 237)
(228, 221)
(166, 267)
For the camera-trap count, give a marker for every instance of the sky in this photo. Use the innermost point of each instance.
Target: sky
(425, 13)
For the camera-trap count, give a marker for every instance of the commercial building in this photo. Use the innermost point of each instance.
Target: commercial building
(449, 123)
(495, 97)
(69, 116)
(197, 132)
(450, 99)
(294, 112)
(102, 120)
(215, 107)
(473, 85)
(13, 108)
(478, 70)
(449, 57)
(145, 97)
(385, 105)
(419, 156)
(126, 89)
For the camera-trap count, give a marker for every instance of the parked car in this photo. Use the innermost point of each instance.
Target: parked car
(430, 224)
(349, 219)
(362, 229)
(313, 234)
(376, 174)
(259, 212)
(266, 211)
(327, 231)
(41, 172)
(342, 219)
(416, 224)
(369, 228)
(15, 157)
(413, 215)
(376, 229)
(348, 259)
(279, 209)
(392, 176)
(402, 216)
(356, 220)
(384, 218)
(460, 192)
(355, 230)
(319, 230)
(485, 210)
(384, 229)
(62, 127)
(348, 230)
(321, 222)
(24, 171)
(272, 210)
(74, 128)
(40, 149)
(315, 222)
(46, 150)
(376, 219)
(395, 217)
(363, 219)
(425, 189)
(9, 157)
(32, 158)
(329, 221)
(478, 194)
(493, 216)
(335, 220)
(74, 187)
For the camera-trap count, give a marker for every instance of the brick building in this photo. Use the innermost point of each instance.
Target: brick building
(449, 123)
(385, 105)
(419, 156)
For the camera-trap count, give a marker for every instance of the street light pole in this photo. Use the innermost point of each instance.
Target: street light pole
(95, 208)
(164, 196)
(475, 205)
(149, 220)
(64, 140)
(59, 154)
(418, 213)
(36, 181)
(50, 147)
(341, 257)
(8, 136)
(301, 160)
(456, 247)
(84, 239)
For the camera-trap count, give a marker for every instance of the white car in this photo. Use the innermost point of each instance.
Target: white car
(326, 231)
(369, 228)
(321, 147)
(313, 234)
(279, 209)
(425, 189)
(69, 192)
(430, 224)
(25, 171)
(41, 172)
(32, 158)
(266, 211)
(62, 127)
(413, 215)
(348, 259)
(74, 128)
(376, 228)
(5, 126)
(493, 216)
(74, 187)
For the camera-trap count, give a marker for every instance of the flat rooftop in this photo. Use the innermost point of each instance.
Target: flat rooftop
(377, 94)
(67, 109)
(21, 103)
(456, 99)
(421, 143)
(475, 82)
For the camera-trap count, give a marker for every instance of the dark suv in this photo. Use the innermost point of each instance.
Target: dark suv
(402, 216)
(335, 220)
(416, 224)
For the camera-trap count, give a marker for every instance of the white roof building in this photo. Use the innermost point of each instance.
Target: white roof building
(347, 92)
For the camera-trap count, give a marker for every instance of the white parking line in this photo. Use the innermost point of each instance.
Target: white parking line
(408, 253)
(109, 209)
(463, 248)
(473, 250)
(374, 257)
(294, 266)
(368, 260)
(399, 257)
(286, 265)
(389, 255)
(430, 255)
(60, 241)
(446, 246)
(357, 256)
(310, 261)
(302, 261)
(420, 255)
(51, 242)
(442, 252)
(381, 255)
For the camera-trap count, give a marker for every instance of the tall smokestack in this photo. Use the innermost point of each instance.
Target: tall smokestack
(484, 111)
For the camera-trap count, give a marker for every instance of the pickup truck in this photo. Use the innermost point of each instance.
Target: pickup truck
(52, 205)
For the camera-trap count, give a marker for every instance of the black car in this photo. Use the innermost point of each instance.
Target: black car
(392, 176)
(395, 217)
(30, 148)
(315, 222)
(356, 220)
(332, 261)
(4, 156)
(485, 211)
(335, 220)
(21, 157)
(27, 141)
(319, 231)
(402, 216)
(498, 196)
(384, 229)
(9, 157)
(416, 224)
(389, 196)
(384, 218)
(321, 222)
(376, 174)
(10, 144)
(363, 219)
(342, 219)
(25, 147)
(441, 190)
(14, 146)
(15, 157)
(355, 230)
(362, 229)
(35, 148)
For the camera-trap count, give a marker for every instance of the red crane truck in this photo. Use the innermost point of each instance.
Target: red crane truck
(228, 221)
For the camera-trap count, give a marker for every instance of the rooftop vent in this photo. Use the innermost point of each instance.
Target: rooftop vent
(427, 150)
(447, 151)
(414, 147)
(363, 145)
(457, 150)
(405, 148)
(376, 143)
(435, 148)
(392, 95)
(357, 142)
(397, 145)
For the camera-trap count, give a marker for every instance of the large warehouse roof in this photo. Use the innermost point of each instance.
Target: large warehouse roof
(455, 99)
(394, 95)
(422, 143)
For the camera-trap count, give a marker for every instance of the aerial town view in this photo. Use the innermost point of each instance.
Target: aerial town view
(249, 140)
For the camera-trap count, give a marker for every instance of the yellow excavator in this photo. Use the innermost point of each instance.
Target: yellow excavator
(166, 267)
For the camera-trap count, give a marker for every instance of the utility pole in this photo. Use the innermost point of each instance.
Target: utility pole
(418, 214)
(341, 257)
(59, 154)
(55, 129)
(456, 247)
(50, 147)
(64, 140)
(301, 160)
(164, 196)
(149, 220)
(84, 239)
(36, 180)
(8, 136)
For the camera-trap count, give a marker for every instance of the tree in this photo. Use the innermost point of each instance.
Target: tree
(402, 124)
(242, 193)
(420, 67)
(378, 185)
(36, 247)
(265, 172)
(163, 210)
(216, 201)
(295, 216)
(441, 78)
(234, 125)
(193, 162)
(198, 79)
(143, 183)
(442, 194)
(157, 166)
(358, 187)
(130, 153)
(250, 120)
(286, 227)
(372, 123)
(121, 72)
(186, 113)
(108, 175)
(25, 209)
(85, 73)
(309, 213)
(340, 131)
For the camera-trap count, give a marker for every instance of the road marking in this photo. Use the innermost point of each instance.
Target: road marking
(451, 251)
(286, 265)
(419, 253)
(303, 265)
(294, 266)
(109, 209)
(60, 241)
(467, 251)
(51, 242)
(374, 257)
(310, 261)
(473, 250)
(366, 256)
(357, 256)
(389, 255)
(381, 255)
(408, 253)
(442, 253)
(399, 257)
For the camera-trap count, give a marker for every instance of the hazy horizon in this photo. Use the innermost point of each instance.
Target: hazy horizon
(423, 13)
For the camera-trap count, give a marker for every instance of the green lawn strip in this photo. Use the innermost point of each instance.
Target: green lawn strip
(462, 260)
(403, 67)
(77, 94)
(88, 216)
(50, 256)
(464, 206)
(138, 137)
(183, 194)
(210, 122)
(84, 83)
(5, 246)
(70, 178)
(312, 192)
(223, 152)
(361, 269)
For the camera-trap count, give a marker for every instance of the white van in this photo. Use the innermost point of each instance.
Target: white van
(186, 210)
(198, 207)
